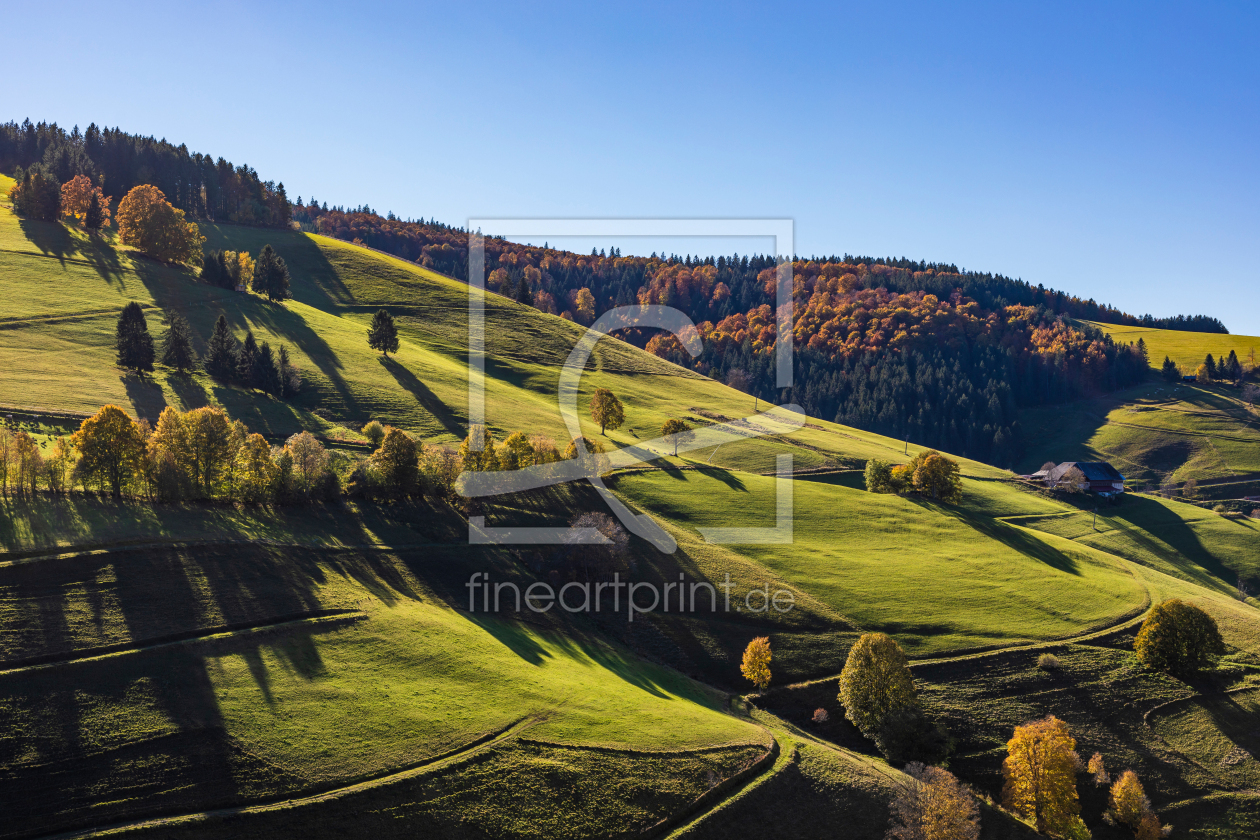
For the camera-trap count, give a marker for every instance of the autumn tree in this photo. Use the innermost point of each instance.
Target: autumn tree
(60, 462)
(937, 476)
(309, 461)
(212, 445)
(177, 349)
(875, 681)
(382, 334)
(584, 306)
(132, 341)
(1179, 638)
(1040, 773)
(606, 410)
(516, 452)
(756, 664)
(1127, 803)
(255, 472)
(1098, 769)
(147, 221)
(110, 445)
(931, 804)
(677, 431)
(396, 464)
(472, 460)
(77, 198)
(28, 463)
(271, 275)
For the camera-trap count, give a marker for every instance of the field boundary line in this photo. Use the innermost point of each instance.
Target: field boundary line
(35, 663)
(716, 798)
(480, 744)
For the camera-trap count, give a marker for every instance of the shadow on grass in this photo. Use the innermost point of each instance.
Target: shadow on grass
(427, 399)
(1010, 536)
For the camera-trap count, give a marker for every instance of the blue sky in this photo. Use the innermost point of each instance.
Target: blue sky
(1108, 150)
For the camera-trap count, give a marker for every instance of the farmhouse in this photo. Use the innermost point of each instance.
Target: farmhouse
(1102, 477)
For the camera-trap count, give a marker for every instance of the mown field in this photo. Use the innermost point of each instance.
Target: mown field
(209, 671)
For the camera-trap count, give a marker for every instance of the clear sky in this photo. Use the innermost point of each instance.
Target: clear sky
(1106, 149)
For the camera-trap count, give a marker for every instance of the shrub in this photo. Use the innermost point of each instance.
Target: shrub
(878, 476)
(1178, 638)
(1048, 662)
(374, 432)
(1098, 770)
(821, 716)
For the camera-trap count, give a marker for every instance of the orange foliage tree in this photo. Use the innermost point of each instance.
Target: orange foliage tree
(76, 200)
(146, 220)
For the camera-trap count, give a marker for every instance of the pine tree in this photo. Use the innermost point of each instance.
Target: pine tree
(132, 339)
(288, 373)
(266, 375)
(1142, 352)
(523, 294)
(1210, 363)
(383, 335)
(95, 216)
(1231, 368)
(1169, 370)
(222, 351)
(271, 275)
(177, 349)
(246, 359)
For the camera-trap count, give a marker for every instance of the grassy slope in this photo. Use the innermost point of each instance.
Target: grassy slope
(1187, 349)
(1151, 432)
(282, 711)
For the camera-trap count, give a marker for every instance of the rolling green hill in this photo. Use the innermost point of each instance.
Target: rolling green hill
(209, 671)
(1187, 349)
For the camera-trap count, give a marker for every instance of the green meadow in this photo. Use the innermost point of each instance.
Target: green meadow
(208, 671)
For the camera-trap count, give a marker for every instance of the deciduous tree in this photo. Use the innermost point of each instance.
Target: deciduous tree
(147, 221)
(77, 197)
(875, 681)
(310, 461)
(677, 431)
(1179, 638)
(374, 432)
(110, 445)
(756, 664)
(932, 805)
(36, 195)
(1040, 773)
(382, 334)
(606, 410)
(396, 463)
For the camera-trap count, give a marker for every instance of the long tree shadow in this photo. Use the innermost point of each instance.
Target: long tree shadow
(427, 399)
(145, 395)
(1010, 536)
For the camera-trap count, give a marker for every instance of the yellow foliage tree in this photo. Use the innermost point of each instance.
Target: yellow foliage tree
(756, 664)
(255, 471)
(875, 681)
(933, 805)
(1040, 772)
(146, 220)
(1128, 803)
(76, 200)
(584, 306)
(110, 446)
(483, 461)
